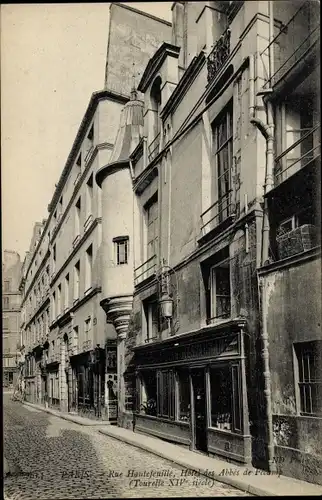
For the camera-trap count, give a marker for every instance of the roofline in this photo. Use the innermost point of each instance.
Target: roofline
(95, 98)
(137, 11)
(155, 62)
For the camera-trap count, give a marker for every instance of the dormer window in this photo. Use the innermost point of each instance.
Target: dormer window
(79, 160)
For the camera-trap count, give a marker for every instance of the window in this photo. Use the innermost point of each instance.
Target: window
(54, 305)
(77, 217)
(89, 142)
(54, 258)
(5, 320)
(220, 291)
(61, 204)
(223, 150)
(149, 392)
(55, 217)
(88, 268)
(309, 358)
(225, 395)
(76, 280)
(151, 210)
(58, 300)
(184, 396)
(6, 302)
(6, 285)
(89, 196)
(121, 249)
(66, 292)
(79, 160)
(152, 318)
(88, 327)
(166, 394)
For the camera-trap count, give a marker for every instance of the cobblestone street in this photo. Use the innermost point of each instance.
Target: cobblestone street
(53, 458)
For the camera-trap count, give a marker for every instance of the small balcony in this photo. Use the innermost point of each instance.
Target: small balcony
(76, 240)
(218, 55)
(301, 153)
(88, 222)
(293, 42)
(154, 148)
(88, 155)
(145, 270)
(218, 213)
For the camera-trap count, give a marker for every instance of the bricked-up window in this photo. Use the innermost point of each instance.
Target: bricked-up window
(149, 392)
(5, 302)
(183, 396)
(225, 398)
(6, 285)
(309, 357)
(166, 394)
(121, 245)
(5, 323)
(223, 151)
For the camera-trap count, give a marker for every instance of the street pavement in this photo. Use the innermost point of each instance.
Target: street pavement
(51, 458)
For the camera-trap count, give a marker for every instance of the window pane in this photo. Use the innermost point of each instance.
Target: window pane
(184, 396)
(221, 396)
(149, 396)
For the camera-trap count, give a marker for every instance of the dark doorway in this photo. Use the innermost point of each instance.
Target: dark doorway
(200, 417)
(68, 395)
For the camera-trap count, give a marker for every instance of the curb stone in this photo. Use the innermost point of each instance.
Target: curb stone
(66, 417)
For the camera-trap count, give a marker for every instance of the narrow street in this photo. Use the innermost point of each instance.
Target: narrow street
(53, 458)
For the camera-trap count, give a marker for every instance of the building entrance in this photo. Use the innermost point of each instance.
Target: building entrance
(200, 416)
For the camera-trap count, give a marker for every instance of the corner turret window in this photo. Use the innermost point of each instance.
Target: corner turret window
(121, 248)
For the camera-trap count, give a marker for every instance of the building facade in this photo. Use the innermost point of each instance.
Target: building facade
(199, 356)
(69, 348)
(11, 303)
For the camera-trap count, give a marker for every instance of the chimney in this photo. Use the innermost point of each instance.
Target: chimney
(179, 32)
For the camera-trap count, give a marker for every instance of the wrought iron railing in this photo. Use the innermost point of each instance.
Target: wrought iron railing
(218, 55)
(223, 309)
(145, 270)
(299, 154)
(153, 148)
(216, 213)
(293, 41)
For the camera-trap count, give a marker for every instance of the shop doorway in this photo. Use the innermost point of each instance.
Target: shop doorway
(200, 416)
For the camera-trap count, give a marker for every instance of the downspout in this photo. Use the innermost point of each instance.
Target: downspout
(267, 130)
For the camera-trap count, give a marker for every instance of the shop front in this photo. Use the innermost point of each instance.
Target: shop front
(191, 389)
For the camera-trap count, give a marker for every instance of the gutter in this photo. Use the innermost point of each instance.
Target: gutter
(267, 130)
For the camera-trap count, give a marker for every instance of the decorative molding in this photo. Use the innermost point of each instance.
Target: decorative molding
(154, 64)
(118, 311)
(76, 248)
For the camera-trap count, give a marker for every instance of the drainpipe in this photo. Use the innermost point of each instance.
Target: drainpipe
(267, 130)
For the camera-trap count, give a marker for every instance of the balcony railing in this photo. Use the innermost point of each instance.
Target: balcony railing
(153, 148)
(293, 41)
(216, 213)
(223, 310)
(145, 270)
(218, 55)
(302, 152)
(76, 240)
(88, 154)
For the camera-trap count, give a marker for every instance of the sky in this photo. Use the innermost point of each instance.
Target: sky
(52, 59)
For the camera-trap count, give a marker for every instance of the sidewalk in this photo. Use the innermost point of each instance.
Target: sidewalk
(244, 478)
(68, 416)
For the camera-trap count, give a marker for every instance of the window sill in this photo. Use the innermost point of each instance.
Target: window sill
(225, 431)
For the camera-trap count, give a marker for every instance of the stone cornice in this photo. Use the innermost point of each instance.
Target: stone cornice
(185, 82)
(67, 316)
(154, 64)
(76, 248)
(89, 113)
(294, 260)
(37, 311)
(97, 148)
(36, 276)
